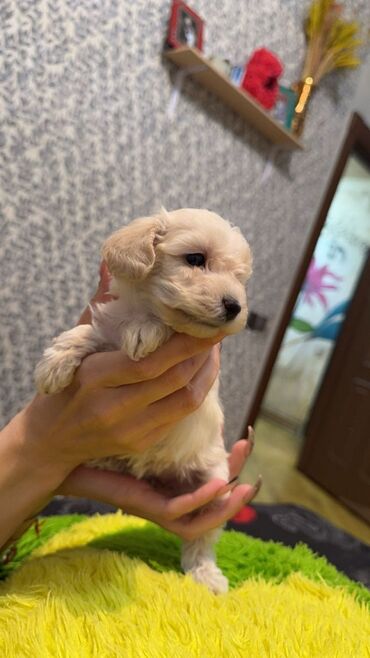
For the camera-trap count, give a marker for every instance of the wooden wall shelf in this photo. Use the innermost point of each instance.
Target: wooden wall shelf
(203, 71)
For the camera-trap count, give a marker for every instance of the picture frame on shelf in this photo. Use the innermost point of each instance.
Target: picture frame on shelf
(185, 27)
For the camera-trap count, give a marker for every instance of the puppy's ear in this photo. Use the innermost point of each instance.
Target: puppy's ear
(130, 252)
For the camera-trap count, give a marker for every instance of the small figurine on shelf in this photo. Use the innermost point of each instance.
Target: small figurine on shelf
(222, 65)
(261, 77)
(237, 74)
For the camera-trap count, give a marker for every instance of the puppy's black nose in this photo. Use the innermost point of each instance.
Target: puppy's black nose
(232, 308)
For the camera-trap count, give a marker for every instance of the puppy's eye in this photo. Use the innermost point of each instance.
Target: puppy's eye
(195, 260)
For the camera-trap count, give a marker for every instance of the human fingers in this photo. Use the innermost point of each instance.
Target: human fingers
(139, 498)
(151, 422)
(135, 496)
(240, 452)
(178, 507)
(101, 294)
(147, 392)
(125, 416)
(104, 283)
(192, 527)
(116, 369)
(125, 408)
(186, 400)
(237, 457)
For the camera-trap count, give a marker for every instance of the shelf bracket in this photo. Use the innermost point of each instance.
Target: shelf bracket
(180, 76)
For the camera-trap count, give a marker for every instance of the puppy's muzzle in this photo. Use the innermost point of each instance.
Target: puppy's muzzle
(232, 308)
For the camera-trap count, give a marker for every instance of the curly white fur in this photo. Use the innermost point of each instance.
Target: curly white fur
(159, 293)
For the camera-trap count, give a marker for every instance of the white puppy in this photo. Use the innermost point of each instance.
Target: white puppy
(182, 271)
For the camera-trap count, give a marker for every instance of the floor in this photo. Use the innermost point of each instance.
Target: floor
(274, 456)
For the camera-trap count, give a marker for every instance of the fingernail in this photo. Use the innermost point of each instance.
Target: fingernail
(228, 487)
(251, 441)
(258, 485)
(252, 494)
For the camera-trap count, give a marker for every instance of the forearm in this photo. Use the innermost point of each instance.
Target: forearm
(25, 484)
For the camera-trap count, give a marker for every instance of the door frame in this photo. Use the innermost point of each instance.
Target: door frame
(323, 397)
(357, 141)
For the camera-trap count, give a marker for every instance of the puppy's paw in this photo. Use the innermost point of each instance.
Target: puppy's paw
(57, 367)
(211, 576)
(134, 346)
(139, 340)
(54, 372)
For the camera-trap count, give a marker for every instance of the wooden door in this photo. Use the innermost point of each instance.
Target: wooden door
(336, 453)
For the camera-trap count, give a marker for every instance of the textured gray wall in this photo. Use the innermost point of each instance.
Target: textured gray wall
(85, 145)
(362, 97)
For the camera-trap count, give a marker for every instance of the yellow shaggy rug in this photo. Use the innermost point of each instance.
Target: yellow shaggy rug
(81, 593)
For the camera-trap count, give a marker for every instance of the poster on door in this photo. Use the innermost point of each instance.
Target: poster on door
(322, 303)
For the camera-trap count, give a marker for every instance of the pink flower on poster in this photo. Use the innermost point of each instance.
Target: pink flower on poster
(315, 284)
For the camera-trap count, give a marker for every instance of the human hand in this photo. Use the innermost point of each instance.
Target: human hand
(139, 498)
(115, 405)
(175, 514)
(112, 405)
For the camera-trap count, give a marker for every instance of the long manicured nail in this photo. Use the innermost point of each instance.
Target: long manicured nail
(228, 487)
(252, 494)
(251, 441)
(258, 485)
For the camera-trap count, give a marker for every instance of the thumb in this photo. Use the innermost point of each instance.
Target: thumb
(101, 294)
(104, 283)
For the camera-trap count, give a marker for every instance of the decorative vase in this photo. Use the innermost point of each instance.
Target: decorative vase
(303, 90)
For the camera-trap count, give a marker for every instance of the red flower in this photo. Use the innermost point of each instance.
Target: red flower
(261, 77)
